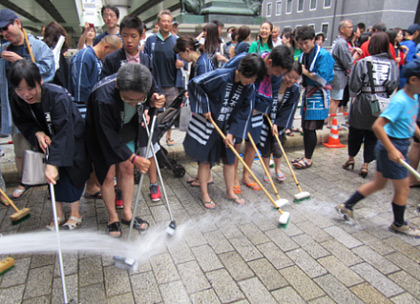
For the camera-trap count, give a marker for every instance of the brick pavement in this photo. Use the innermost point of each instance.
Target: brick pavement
(236, 254)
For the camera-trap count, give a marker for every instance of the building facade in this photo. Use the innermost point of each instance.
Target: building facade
(325, 15)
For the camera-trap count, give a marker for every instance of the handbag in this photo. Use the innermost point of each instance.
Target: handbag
(33, 172)
(377, 104)
(184, 116)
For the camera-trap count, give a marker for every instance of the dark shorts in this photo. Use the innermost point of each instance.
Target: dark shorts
(414, 137)
(312, 124)
(387, 167)
(65, 192)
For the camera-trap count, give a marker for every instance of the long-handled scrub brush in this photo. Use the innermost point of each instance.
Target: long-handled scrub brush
(20, 215)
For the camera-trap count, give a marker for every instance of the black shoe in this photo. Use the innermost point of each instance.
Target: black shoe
(138, 223)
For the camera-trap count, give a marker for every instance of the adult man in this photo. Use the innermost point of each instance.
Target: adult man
(166, 66)
(410, 35)
(112, 124)
(131, 30)
(343, 62)
(110, 15)
(275, 33)
(11, 51)
(377, 27)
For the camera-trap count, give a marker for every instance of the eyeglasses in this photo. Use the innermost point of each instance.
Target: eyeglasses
(134, 101)
(110, 15)
(5, 28)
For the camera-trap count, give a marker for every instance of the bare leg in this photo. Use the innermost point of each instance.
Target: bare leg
(236, 178)
(377, 184)
(108, 195)
(203, 176)
(249, 159)
(92, 184)
(333, 109)
(152, 171)
(126, 184)
(401, 191)
(60, 213)
(414, 159)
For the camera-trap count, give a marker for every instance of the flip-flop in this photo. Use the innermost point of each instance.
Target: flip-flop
(209, 205)
(253, 186)
(237, 189)
(192, 179)
(97, 195)
(170, 142)
(281, 177)
(412, 186)
(197, 184)
(240, 201)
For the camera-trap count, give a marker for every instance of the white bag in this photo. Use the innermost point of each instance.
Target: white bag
(33, 172)
(185, 116)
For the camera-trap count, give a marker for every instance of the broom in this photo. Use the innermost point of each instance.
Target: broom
(284, 216)
(302, 195)
(20, 215)
(280, 202)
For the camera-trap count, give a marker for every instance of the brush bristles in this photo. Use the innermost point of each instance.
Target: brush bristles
(301, 197)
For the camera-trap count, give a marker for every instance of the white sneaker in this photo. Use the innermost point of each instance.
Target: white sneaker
(405, 229)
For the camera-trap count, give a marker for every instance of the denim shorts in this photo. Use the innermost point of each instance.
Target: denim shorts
(387, 167)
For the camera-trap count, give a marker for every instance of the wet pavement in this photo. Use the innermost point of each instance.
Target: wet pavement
(234, 254)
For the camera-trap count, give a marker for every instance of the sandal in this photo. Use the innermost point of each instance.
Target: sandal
(289, 132)
(237, 189)
(192, 179)
(237, 200)
(51, 226)
(170, 142)
(114, 227)
(76, 223)
(253, 186)
(6, 203)
(19, 193)
(97, 195)
(209, 205)
(296, 160)
(302, 164)
(138, 224)
(281, 177)
(197, 183)
(348, 163)
(266, 179)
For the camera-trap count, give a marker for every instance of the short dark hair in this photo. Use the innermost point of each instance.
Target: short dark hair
(218, 23)
(379, 27)
(305, 32)
(252, 65)
(112, 8)
(321, 34)
(282, 56)
(361, 26)
(378, 44)
(243, 33)
(297, 67)
(132, 22)
(134, 77)
(24, 69)
(184, 42)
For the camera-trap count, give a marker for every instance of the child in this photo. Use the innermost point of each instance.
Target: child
(394, 127)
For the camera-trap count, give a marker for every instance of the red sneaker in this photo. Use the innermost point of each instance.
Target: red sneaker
(118, 199)
(155, 193)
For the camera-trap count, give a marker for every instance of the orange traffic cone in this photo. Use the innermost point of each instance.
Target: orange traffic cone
(334, 139)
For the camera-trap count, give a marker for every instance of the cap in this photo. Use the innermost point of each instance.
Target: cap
(413, 28)
(7, 16)
(411, 68)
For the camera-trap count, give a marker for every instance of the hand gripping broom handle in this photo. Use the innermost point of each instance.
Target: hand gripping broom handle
(267, 173)
(245, 165)
(284, 154)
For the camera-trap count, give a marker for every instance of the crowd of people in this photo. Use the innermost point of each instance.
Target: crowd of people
(90, 114)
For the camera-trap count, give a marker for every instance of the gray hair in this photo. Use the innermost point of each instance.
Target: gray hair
(134, 77)
(343, 23)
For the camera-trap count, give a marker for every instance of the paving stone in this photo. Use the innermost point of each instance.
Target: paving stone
(340, 271)
(269, 276)
(180, 252)
(39, 282)
(206, 257)
(245, 248)
(288, 295)
(306, 288)
(164, 268)
(343, 237)
(404, 298)
(224, 286)
(406, 281)
(205, 297)
(145, 288)
(405, 263)
(306, 263)
(405, 248)
(344, 254)
(337, 291)
(236, 266)
(18, 273)
(256, 292)
(376, 244)
(375, 259)
(12, 295)
(218, 242)
(72, 289)
(90, 270)
(368, 294)
(275, 255)
(310, 246)
(313, 231)
(174, 292)
(70, 264)
(193, 237)
(92, 294)
(160, 213)
(193, 277)
(281, 239)
(254, 234)
(116, 281)
(322, 300)
(377, 280)
(40, 260)
(121, 299)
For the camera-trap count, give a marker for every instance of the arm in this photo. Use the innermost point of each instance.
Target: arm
(82, 38)
(80, 83)
(357, 76)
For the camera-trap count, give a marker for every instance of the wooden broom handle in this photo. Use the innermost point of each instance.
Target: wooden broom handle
(28, 45)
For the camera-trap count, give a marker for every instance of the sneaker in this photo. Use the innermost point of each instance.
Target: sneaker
(347, 214)
(155, 193)
(118, 199)
(405, 229)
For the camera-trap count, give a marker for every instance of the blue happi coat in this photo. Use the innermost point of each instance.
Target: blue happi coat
(230, 105)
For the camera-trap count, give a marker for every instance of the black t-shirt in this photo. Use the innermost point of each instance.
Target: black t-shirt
(22, 52)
